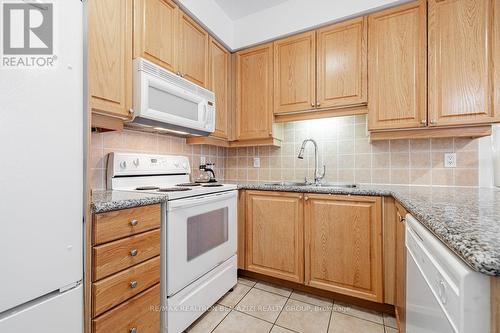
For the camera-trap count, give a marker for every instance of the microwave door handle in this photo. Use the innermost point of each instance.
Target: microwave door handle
(205, 112)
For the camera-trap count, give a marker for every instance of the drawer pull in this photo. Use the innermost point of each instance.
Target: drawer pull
(134, 222)
(133, 330)
(133, 252)
(133, 284)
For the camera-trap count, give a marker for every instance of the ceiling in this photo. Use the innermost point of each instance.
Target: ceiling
(236, 9)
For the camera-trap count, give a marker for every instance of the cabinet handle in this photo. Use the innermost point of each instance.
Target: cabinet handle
(312, 105)
(133, 284)
(300, 197)
(401, 218)
(178, 73)
(306, 198)
(318, 104)
(433, 122)
(134, 222)
(130, 110)
(133, 252)
(423, 121)
(133, 330)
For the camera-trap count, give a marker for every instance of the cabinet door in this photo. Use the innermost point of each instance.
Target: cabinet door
(275, 234)
(342, 64)
(400, 268)
(397, 67)
(155, 25)
(110, 57)
(295, 73)
(343, 245)
(461, 59)
(193, 51)
(219, 83)
(254, 92)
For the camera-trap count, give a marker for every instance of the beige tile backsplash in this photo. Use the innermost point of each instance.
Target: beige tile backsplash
(344, 148)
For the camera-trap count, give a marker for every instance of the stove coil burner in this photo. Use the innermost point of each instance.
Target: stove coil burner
(174, 189)
(188, 184)
(212, 185)
(147, 188)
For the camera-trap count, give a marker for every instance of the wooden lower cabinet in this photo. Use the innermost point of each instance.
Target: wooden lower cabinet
(343, 245)
(400, 303)
(274, 234)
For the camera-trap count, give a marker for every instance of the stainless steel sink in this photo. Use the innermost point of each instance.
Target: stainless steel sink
(284, 183)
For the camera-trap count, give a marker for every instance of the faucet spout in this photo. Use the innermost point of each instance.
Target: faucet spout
(318, 175)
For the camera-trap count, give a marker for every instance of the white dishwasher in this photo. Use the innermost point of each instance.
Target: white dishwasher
(443, 294)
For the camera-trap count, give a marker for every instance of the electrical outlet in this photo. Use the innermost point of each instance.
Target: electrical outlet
(450, 160)
(256, 162)
(203, 160)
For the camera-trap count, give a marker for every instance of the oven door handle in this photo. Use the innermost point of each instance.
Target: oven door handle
(201, 200)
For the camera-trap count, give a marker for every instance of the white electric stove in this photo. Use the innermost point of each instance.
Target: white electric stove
(199, 236)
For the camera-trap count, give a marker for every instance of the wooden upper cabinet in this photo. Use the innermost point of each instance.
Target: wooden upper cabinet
(295, 73)
(343, 245)
(397, 67)
(193, 51)
(155, 26)
(274, 224)
(219, 62)
(461, 59)
(110, 57)
(342, 64)
(254, 92)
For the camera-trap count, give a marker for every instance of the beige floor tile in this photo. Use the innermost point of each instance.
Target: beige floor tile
(390, 330)
(390, 320)
(356, 311)
(209, 320)
(304, 318)
(277, 329)
(262, 304)
(232, 298)
(247, 281)
(237, 322)
(272, 288)
(341, 323)
(311, 299)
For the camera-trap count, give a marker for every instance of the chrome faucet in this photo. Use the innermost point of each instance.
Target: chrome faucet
(317, 175)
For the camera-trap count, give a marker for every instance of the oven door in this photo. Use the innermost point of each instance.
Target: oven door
(201, 234)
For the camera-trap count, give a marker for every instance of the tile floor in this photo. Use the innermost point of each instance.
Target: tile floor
(255, 307)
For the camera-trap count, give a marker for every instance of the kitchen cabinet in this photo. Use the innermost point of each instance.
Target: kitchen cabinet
(109, 58)
(254, 94)
(219, 67)
(295, 73)
(342, 64)
(193, 51)
(155, 28)
(274, 225)
(343, 245)
(397, 67)
(400, 302)
(462, 56)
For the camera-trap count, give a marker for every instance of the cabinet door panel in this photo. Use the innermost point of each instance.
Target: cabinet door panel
(344, 245)
(342, 64)
(254, 93)
(193, 51)
(461, 61)
(110, 57)
(155, 23)
(219, 84)
(275, 235)
(397, 67)
(294, 73)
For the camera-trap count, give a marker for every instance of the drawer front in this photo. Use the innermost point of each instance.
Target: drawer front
(127, 222)
(115, 256)
(117, 288)
(140, 312)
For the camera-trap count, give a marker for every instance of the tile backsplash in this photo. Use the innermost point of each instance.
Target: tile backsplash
(349, 156)
(344, 148)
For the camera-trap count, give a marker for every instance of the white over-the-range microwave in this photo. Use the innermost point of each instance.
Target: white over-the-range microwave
(164, 101)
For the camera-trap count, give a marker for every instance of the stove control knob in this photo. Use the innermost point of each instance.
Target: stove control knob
(184, 165)
(123, 164)
(136, 162)
(176, 164)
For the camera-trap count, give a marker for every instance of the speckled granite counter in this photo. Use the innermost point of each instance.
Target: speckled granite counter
(467, 220)
(105, 201)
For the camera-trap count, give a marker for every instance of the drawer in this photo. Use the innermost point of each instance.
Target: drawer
(141, 312)
(127, 222)
(115, 256)
(117, 288)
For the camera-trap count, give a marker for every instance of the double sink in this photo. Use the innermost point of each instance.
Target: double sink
(284, 183)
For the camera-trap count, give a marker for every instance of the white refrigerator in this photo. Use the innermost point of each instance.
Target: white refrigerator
(41, 168)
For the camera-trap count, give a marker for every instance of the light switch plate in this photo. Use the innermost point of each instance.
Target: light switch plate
(450, 160)
(256, 162)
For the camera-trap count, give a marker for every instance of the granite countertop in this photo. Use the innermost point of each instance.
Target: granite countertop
(466, 220)
(106, 200)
